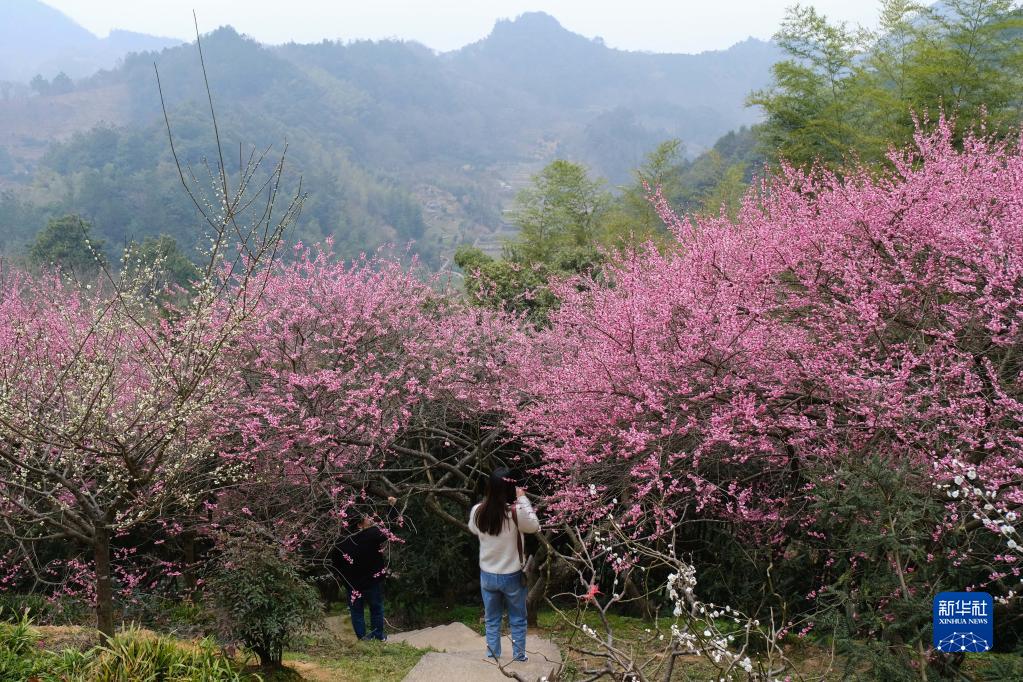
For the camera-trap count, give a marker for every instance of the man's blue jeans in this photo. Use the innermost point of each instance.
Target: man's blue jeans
(504, 592)
(373, 595)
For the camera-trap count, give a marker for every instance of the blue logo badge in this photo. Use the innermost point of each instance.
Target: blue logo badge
(964, 621)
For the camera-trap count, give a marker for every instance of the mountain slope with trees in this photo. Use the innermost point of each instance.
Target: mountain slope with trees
(395, 143)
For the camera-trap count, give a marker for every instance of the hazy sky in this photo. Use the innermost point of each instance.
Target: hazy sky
(654, 25)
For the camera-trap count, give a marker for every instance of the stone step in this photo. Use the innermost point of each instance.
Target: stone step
(460, 656)
(438, 667)
(450, 637)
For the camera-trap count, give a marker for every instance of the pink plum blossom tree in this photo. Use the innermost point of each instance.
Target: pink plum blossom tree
(728, 381)
(109, 391)
(361, 380)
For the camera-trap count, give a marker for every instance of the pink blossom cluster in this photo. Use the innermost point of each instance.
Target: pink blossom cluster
(345, 369)
(839, 318)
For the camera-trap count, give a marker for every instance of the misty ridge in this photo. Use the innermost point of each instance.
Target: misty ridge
(395, 143)
(36, 39)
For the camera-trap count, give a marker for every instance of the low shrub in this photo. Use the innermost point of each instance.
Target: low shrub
(14, 606)
(17, 646)
(67, 665)
(22, 657)
(261, 600)
(42, 609)
(131, 656)
(181, 618)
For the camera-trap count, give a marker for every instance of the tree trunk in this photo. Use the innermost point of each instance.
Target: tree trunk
(104, 585)
(639, 604)
(269, 657)
(534, 600)
(188, 555)
(537, 582)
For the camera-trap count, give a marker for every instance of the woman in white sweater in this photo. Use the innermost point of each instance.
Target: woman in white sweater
(499, 522)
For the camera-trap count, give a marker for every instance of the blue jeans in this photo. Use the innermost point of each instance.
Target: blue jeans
(504, 592)
(372, 594)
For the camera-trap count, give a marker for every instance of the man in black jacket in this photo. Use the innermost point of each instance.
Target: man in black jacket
(363, 566)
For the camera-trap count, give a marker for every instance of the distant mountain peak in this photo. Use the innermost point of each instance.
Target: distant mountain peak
(529, 25)
(749, 44)
(534, 20)
(528, 33)
(35, 39)
(29, 21)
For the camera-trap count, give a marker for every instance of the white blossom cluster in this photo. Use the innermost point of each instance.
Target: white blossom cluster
(993, 513)
(709, 642)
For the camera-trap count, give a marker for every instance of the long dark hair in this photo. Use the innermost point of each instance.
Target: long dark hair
(493, 512)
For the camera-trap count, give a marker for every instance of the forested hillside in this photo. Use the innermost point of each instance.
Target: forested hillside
(394, 142)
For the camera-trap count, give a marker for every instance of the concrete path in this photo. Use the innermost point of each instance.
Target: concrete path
(460, 656)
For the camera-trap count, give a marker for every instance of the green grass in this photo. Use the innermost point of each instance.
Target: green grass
(332, 654)
(468, 615)
(386, 662)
